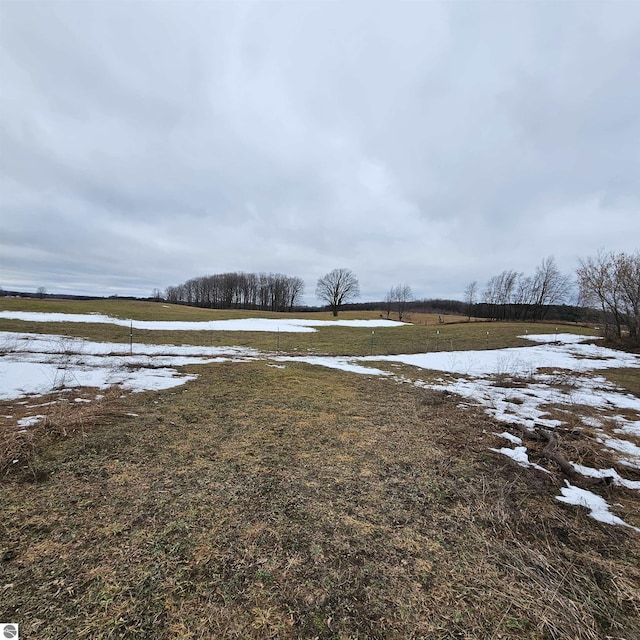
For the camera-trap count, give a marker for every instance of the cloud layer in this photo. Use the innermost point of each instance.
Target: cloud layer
(429, 143)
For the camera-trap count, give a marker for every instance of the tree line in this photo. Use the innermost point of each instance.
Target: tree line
(610, 282)
(607, 284)
(512, 295)
(261, 291)
(238, 290)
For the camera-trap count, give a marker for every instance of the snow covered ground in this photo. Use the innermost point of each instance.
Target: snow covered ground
(284, 325)
(35, 364)
(565, 353)
(598, 507)
(507, 383)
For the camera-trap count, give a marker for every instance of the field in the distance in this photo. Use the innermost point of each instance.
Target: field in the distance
(271, 500)
(138, 310)
(423, 332)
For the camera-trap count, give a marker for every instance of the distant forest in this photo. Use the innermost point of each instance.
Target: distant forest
(558, 313)
(262, 291)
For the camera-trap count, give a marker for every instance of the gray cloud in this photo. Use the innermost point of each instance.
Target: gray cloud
(432, 143)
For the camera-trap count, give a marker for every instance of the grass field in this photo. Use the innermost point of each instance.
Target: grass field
(137, 310)
(300, 502)
(425, 333)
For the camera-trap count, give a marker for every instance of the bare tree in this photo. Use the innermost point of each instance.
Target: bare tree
(398, 296)
(471, 296)
(403, 295)
(514, 296)
(548, 287)
(337, 287)
(388, 301)
(499, 292)
(598, 286)
(41, 291)
(628, 273)
(295, 289)
(522, 298)
(612, 280)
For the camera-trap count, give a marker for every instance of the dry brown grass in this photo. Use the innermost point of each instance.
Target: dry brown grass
(302, 503)
(59, 414)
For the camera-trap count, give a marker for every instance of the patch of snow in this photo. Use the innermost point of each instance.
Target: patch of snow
(40, 364)
(598, 507)
(335, 362)
(509, 436)
(29, 421)
(37, 365)
(517, 361)
(498, 401)
(562, 338)
(64, 347)
(284, 325)
(629, 451)
(616, 478)
(628, 427)
(519, 455)
(80, 400)
(155, 380)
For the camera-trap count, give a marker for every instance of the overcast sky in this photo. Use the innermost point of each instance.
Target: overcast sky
(431, 143)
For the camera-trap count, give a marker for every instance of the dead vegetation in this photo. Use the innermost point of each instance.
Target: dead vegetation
(59, 414)
(301, 503)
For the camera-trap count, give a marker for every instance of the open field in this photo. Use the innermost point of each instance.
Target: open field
(271, 498)
(137, 310)
(426, 335)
